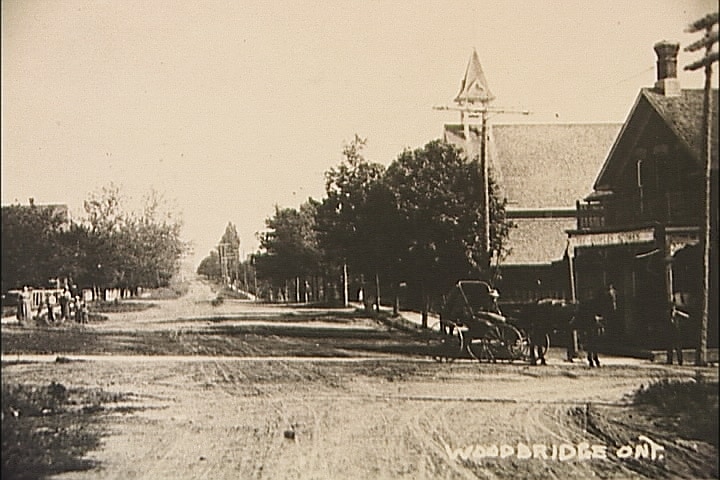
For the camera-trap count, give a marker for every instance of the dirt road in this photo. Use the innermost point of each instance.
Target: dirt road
(359, 414)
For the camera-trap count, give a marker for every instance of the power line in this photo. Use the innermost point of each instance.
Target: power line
(631, 77)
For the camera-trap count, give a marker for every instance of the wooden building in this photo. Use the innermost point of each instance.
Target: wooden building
(641, 228)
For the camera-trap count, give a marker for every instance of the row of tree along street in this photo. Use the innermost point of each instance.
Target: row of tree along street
(110, 247)
(407, 231)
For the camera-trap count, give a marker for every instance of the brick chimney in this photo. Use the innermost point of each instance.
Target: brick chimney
(667, 82)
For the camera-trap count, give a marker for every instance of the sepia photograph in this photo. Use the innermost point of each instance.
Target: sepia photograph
(421, 239)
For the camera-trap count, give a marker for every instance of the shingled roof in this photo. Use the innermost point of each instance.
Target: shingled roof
(540, 168)
(543, 166)
(537, 241)
(683, 116)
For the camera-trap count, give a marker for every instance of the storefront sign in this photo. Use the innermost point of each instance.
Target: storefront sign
(612, 238)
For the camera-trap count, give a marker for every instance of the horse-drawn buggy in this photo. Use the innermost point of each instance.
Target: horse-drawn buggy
(471, 324)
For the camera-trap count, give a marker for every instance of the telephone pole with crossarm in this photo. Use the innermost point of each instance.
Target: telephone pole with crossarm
(473, 102)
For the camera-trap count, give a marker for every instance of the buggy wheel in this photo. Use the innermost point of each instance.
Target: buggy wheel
(479, 349)
(504, 342)
(443, 347)
(524, 345)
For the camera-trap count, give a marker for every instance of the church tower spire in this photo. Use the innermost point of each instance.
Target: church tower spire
(474, 87)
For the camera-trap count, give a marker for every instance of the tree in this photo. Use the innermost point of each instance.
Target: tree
(289, 248)
(229, 253)
(354, 222)
(31, 245)
(125, 248)
(210, 266)
(439, 196)
(109, 247)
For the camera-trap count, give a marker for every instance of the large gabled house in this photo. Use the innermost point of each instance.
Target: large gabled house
(641, 228)
(542, 169)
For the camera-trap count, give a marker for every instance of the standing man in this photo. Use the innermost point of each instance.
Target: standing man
(677, 318)
(595, 332)
(20, 312)
(65, 298)
(50, 301)
(27, 304)
(591, 312)
(538, 332)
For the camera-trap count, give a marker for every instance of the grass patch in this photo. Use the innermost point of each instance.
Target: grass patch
(687, 407)
(47, 430)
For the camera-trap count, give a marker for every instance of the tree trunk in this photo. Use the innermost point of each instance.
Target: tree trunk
(425, 306)
(396, 301)
(377, 292)
(346, 301)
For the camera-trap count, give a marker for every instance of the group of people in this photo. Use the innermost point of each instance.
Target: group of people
(600, 313)
(71, 307)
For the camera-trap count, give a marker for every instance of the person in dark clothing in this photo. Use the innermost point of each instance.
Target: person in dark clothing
(677, 318)
(595, 331)
(537, 349)
(594, 326)
(50, 301)
(65, 299)
(539, 329)
(572, 339)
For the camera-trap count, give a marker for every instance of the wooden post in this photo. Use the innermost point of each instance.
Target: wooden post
(346, 301)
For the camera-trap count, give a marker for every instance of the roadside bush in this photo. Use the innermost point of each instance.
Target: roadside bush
(173, 291)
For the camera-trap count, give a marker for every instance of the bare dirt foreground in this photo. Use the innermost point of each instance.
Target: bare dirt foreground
(186, 390)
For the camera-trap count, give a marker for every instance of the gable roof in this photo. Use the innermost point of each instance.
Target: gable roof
(682, 114)
(542, 166)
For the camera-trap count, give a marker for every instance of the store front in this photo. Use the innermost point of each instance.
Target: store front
(645, 271)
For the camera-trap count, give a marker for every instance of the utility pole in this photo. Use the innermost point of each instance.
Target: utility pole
(709, 25)
(473, 101)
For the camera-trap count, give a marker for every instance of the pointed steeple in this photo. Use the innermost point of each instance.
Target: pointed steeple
(474, 87)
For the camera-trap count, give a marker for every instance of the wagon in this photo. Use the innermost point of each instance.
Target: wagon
(471, 323)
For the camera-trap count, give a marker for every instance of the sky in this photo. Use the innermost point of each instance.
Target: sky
(231, 108)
